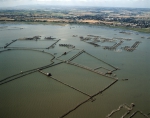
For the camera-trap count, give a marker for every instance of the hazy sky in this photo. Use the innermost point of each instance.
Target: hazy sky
(104, 3)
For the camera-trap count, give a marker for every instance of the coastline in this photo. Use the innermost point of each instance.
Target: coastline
(65, 22)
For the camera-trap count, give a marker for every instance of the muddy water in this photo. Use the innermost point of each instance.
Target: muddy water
(36, 95)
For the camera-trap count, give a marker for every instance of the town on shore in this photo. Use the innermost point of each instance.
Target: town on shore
(132, 18)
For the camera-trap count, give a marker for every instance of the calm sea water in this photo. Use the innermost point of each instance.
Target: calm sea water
(36, 95)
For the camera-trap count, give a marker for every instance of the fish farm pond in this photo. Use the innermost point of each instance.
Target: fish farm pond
(73, 71)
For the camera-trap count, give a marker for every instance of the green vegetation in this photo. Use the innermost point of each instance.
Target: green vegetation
(125, 18)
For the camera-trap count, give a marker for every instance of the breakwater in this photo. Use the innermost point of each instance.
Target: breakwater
(133, 47)
(19, 75)
(10, 43)
(53, 44)
(144, 115)
(25, 73)
(75, 56)
(129, 109)
(102, 68)
(114, 46)
(102, 61)
(94, 44)
(50, 75)
(67, 45)
(92, 70)
(88, 99)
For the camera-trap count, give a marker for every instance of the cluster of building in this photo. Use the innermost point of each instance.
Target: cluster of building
(113, 17)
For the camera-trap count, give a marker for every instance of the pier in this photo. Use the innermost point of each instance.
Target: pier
(65, 53)
(114, 46)
(87, 100)
(31, 38)
(107, 87)
(28, 48)
(133, 47)
(53, 44)
(73, 109)
(10, 43)
(49, 38)
(75, 55)
(17, 76)
(67, 45)
(102, 67)
(92, 70)
(92, 43)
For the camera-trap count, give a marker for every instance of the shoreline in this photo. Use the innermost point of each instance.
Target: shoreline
(63, 23)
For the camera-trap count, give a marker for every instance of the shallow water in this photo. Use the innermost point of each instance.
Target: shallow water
(15, 61)
(32, 44)
(36, 95)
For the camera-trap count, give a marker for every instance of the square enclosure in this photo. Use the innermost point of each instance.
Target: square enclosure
(84, 80)
(33, 44)
(36, 96)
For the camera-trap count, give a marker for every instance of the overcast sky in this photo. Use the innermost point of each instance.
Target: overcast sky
(103, 3)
